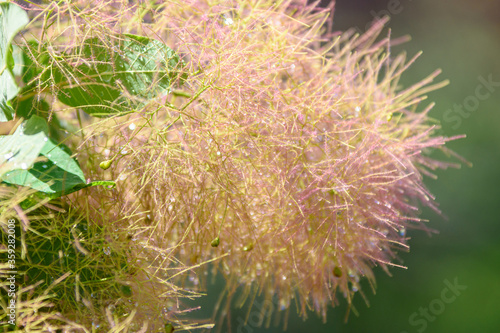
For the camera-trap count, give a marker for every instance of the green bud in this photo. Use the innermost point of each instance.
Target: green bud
(215, 242)
(337, 271)
(248, 247)
(105, 164)
(169, 328)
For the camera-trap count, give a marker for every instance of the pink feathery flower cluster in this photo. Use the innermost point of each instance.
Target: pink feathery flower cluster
(292, 155)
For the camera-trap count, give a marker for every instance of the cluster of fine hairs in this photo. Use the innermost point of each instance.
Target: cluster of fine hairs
(288, 155)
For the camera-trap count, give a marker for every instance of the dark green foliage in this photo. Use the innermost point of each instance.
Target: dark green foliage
(12, 19)
(67, 243)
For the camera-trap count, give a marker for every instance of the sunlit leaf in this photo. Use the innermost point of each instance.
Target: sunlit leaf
(12, 19)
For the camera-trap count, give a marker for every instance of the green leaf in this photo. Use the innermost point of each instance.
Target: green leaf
(17, 60)
(21, 149)
(27, 105)
(12, 20)
(118, 76)
(56, 175)
(59, 175)
(32, 65)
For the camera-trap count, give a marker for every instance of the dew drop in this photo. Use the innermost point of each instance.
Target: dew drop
(248, 247)
(132, 126)
(24, 166)
(283, 304)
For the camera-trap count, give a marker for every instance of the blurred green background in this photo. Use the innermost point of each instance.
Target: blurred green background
(462, 37)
